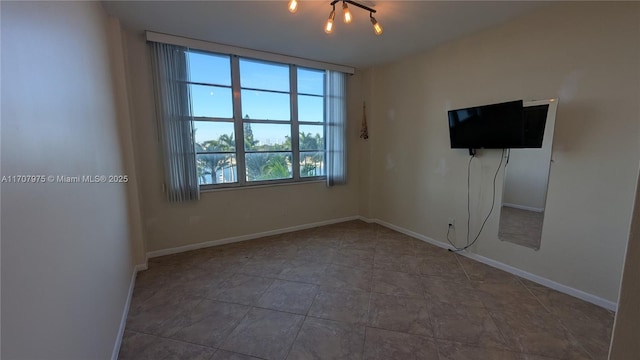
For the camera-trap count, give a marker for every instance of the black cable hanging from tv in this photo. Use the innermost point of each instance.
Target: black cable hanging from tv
(493, 203)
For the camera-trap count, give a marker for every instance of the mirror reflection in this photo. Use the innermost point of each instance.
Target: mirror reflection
(526, 178)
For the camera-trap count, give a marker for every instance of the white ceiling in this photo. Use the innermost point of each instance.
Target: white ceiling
(409, 26)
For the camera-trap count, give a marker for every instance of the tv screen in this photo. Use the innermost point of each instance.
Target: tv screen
(534, 122)
(495, 126)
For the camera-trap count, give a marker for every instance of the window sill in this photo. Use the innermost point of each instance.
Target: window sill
(260, 186)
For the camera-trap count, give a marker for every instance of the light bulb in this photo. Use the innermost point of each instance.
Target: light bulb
(347, 13)
(293, 6)
(328, 28)
(376, 26)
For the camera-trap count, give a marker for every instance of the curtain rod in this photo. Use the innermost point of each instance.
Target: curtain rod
(234, 50)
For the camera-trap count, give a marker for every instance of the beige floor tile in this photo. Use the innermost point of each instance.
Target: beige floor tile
(451, 291)
(399, 263)
(136, 346)
(228, 355)
(457, 351)
(293, 297)
(163, 306)
(507, 295)
(237, 252)
(263, 267)
(315, 253)
(408, 315)
(390, 345)
(265, 334)
(537, 357)
(221, 266)
(303, 271)
(207, 324)
(397, 283)
(522, 227)
(537, 333)
(341, 305)
(241, 289)
(200, 282)
(591, 325)
(328, 340)
(329, 238)
(160, 275)
(357, 241)
(425, 249)
(354, 258)
(282, 250)
(469, 325)
(445, 266)
(139, 297)
(347, 278)
(394, 246)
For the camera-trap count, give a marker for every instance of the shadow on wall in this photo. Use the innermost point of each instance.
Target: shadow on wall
(575, 121)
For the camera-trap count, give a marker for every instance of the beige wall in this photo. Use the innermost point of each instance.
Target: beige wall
(624, 344)
(361, 92)
(587, 54)
(227, 213)
(68, 250)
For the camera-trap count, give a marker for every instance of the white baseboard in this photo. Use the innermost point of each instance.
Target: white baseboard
(141, 267)
(596, 300)
(125, 311)
(410, 233)
(235, 239)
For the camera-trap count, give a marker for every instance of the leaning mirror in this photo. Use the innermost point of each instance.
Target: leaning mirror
(526, 176)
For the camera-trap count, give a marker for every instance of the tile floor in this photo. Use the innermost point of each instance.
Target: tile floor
(351, 291)
(522, 227)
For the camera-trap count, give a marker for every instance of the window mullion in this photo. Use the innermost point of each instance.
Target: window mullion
(295, 129)
(216, 159)
(237, 116)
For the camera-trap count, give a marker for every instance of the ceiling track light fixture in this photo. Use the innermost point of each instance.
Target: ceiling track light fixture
(346, 13)
(376, 25)
(347, 17)
(293, 6)
(328, 27)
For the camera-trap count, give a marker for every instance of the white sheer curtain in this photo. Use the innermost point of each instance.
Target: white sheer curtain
(336, 111)
(173, 109)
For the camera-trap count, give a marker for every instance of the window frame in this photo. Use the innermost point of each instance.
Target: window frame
(239, 122)
(323, 123)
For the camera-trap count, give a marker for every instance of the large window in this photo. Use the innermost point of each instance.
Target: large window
(247, 118)
(256, 122)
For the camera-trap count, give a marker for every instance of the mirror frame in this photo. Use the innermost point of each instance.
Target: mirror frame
(547, 143)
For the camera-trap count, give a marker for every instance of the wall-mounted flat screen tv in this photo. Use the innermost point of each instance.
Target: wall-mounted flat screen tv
(535, 120)
(494, 126)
